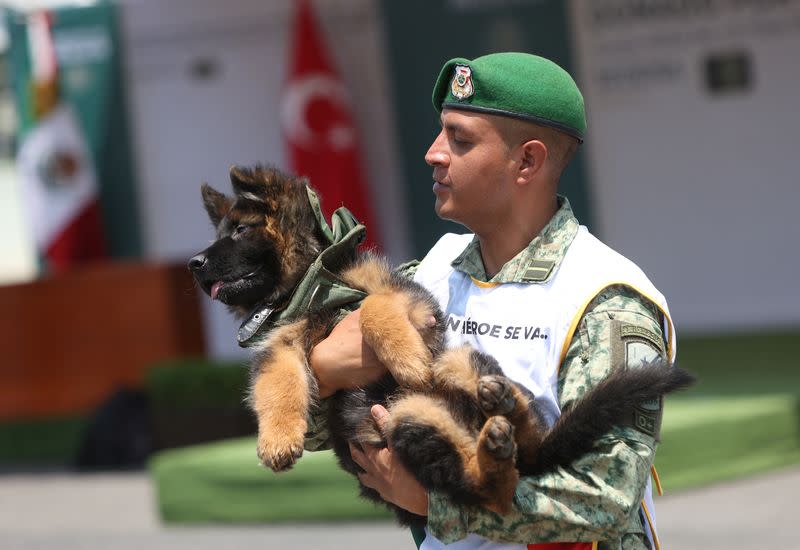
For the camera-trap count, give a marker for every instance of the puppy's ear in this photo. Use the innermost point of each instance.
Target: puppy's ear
(245, 180)
(217, 204)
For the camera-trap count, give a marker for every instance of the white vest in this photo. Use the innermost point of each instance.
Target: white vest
(527, 327)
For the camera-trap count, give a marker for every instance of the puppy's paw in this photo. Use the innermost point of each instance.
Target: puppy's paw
(496, 395)
(498, 438)
(279, 453)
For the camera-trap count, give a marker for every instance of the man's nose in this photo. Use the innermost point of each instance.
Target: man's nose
(437, 154)
(197, 262)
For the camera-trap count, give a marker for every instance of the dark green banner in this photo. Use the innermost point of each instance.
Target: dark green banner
(90, 80)
(422, 35)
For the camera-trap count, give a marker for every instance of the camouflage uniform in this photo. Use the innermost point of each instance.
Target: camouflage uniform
(598, 497)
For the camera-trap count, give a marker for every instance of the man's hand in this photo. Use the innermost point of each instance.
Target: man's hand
(343, 360)
(384, 473)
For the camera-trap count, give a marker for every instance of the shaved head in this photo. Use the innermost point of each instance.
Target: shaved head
(560, 146)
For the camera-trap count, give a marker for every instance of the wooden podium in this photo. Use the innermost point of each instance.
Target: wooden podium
(69, 341)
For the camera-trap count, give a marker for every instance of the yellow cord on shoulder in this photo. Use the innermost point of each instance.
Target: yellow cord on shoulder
(652, 527)
(657, 480)
(574, 324)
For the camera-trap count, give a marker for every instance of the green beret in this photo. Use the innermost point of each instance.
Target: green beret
(517, 85)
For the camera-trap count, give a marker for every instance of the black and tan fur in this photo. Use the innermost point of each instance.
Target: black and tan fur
(456, 421)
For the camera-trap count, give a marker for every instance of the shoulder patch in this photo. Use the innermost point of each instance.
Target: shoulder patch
(638, 354)
(538, 270)
(637, 347)
(647, 422)
(635, 331)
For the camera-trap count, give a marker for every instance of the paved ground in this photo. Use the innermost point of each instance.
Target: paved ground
(116, 512)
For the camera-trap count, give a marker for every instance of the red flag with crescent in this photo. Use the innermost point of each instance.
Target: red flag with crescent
(319, 128)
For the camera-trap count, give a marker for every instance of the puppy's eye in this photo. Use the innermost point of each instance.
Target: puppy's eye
(240, 229)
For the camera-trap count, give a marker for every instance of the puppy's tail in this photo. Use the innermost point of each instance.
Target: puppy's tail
(611, 403)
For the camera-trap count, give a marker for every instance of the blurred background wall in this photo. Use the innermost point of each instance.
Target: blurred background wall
(205, 86)
(688, 167)
(691, 121)
(692, 142)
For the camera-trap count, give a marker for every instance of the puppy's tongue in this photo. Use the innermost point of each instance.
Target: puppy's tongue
(215, 289)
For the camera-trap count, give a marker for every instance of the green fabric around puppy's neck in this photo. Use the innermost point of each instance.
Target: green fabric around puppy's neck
(320, 288)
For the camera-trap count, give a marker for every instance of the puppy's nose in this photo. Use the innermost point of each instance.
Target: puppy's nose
(197, 262)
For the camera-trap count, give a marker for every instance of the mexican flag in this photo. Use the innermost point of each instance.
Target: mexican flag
(55, 167)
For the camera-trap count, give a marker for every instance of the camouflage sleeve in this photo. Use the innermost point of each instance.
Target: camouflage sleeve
(407, 269)
(317, 435)
(597, 498)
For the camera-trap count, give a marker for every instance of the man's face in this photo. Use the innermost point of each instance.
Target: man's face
(473, 170)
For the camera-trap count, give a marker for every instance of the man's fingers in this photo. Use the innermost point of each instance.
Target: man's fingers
(358, 456)
(381, 416)
(366, 464)
(373, 460)
(384, 473)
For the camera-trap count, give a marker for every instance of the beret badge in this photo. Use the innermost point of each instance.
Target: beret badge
(461, 85)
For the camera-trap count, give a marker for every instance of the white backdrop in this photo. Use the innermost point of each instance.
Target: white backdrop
(700, 188)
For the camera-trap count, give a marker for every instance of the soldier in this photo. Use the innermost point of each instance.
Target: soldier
(570, 307)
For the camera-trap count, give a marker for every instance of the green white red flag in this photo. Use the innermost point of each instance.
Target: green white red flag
(55, 167)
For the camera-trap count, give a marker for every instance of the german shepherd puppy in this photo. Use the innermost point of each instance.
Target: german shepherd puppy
(459, 425)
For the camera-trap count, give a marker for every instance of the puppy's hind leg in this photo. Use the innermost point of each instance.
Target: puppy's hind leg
(496, 451)
(477, 379)
(281, 396)
(459, 369)
(446, 456)
(498, 395)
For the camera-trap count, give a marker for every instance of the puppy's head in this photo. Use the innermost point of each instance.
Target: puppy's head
(266, 238)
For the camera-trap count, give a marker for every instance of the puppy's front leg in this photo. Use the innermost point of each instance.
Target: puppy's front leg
(281, 396)
(395, 321)
(391, 324)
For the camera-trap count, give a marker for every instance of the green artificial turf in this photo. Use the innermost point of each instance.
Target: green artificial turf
(712, 439)
(224, 482)
(704, 440)
(742, 418)
(743, 364)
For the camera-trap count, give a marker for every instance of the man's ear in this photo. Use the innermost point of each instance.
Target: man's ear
(217, 204)
(534, 155)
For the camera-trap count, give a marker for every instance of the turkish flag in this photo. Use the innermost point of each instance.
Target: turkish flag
(318, 125)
